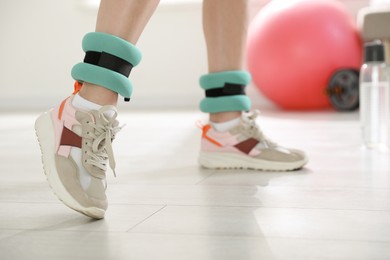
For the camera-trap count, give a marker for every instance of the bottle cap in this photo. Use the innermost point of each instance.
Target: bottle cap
(374, 51)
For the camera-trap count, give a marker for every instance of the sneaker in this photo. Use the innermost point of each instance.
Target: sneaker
(76, 146)
(246, 147)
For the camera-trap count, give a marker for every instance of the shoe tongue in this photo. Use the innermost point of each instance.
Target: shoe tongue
(84, 115)
(108, 111)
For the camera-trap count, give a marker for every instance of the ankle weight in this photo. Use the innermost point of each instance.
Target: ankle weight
(225, 91)
(108, 62)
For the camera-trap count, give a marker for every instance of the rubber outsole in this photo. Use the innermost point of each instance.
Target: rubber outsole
(237, 161)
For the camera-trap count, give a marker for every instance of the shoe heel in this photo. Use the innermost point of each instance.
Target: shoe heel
(45, 135)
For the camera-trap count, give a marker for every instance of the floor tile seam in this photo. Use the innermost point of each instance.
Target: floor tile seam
(257, 236)
(198, 184)
(205, 178)
(30, 202)
(166, 205)
(302, 187)
(146, 218)
(127, 233)
(312, 187)
(63, 230)
(60, 203)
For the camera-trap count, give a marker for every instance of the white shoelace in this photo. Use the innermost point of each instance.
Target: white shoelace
(101, 145)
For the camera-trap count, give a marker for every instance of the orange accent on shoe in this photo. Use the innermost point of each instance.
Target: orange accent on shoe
(205, 129)
(61, 108)
(77, 87)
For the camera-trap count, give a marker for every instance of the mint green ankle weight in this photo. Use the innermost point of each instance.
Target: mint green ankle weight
(225, 91)
(108, 62)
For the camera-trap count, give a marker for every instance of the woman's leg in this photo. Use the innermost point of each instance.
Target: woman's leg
(75, 137)
(233, 140)
(225, 28)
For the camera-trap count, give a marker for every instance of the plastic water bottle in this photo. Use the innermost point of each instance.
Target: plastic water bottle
(375, 98)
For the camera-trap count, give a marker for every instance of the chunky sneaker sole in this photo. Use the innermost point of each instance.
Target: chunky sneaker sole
(44, 128)
(246, 147)
(238, 161)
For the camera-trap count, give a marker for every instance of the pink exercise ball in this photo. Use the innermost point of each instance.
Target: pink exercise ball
(295, 46)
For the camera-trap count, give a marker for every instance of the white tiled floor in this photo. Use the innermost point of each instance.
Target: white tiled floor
(163, 206)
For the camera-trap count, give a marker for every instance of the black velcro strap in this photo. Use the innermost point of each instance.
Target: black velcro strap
(108, 61)
(229, 89)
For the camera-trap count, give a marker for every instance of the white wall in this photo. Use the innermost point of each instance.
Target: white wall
(41, 41)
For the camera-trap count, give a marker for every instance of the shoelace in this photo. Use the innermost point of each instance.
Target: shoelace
(253, 130)
(101, 145)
